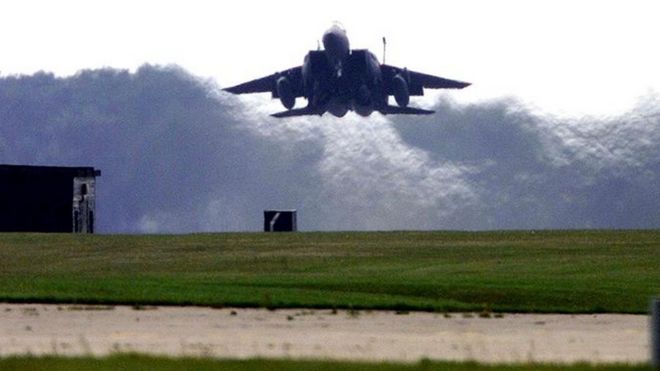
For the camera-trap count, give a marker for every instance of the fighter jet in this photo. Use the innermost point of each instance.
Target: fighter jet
(338, 79)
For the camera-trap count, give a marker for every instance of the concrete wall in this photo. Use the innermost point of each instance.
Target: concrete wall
(84, 204)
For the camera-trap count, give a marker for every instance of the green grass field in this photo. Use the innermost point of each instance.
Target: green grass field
(552, 271)
(138, 362)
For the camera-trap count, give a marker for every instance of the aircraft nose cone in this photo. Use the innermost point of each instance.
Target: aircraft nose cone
(336, 44)
(330, 41)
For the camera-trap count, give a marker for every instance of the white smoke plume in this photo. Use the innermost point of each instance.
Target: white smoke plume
(178, 155)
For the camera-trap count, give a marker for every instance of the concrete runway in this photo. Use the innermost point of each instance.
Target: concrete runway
(366, 335)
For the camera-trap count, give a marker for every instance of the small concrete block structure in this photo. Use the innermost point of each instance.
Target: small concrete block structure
(47, 199)
(280, 221)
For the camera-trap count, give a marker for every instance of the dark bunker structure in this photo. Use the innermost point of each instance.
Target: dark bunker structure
(280, 221)
(47, 199)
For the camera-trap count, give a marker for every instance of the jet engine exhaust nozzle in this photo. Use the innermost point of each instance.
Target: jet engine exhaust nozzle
(363, 102)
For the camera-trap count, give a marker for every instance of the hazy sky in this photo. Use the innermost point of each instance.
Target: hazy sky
(560, 57)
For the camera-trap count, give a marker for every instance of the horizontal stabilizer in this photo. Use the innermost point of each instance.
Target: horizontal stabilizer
(298, 112)
(396, 110)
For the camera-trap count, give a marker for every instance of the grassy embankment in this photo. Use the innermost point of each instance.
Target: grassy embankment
(553, 271)
(138, 362)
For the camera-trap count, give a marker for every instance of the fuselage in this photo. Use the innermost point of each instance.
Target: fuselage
(336, 45)
(342, 79)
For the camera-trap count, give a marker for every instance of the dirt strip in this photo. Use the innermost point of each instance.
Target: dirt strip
(365, 335)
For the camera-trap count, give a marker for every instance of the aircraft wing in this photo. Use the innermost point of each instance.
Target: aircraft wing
(417, 81)
(269, 83)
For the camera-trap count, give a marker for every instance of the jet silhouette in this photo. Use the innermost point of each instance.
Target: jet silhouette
(338, 79)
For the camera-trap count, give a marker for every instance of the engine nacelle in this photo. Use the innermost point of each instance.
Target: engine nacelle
(285, 92)
(401, 92)
(337, 109)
